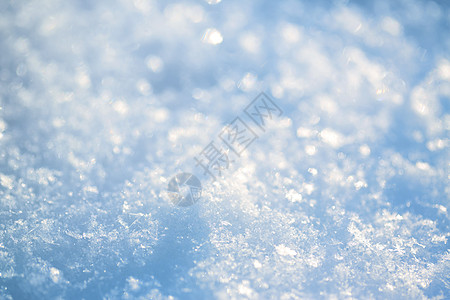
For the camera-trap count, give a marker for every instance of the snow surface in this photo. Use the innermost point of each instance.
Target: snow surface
(345, 195)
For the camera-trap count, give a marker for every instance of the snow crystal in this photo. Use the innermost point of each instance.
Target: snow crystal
(285, 251)
(212, 36)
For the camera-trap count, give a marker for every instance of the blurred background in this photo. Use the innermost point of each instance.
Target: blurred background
(345, 195)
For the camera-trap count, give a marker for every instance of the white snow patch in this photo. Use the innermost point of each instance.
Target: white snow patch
(285, 251)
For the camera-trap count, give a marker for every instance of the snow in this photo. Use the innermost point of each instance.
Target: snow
(343, 192)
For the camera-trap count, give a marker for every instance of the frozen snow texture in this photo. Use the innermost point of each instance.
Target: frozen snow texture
(345, 195)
